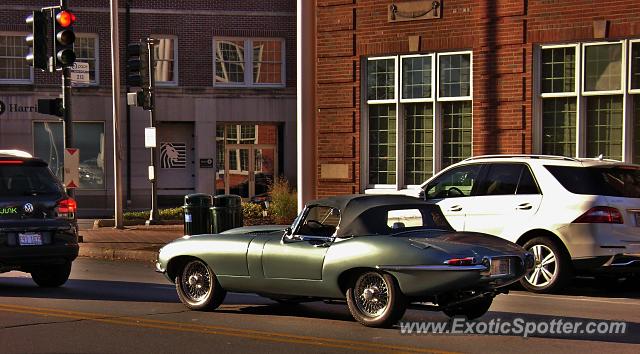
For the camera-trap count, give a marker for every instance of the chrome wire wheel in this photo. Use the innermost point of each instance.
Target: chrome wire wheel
(371, 294)
(545, 270)
(196, 282)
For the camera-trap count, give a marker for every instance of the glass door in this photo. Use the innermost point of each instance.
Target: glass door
(247, 160)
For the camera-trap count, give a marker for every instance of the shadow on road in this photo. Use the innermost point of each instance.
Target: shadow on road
(248, 305)
(90, 290)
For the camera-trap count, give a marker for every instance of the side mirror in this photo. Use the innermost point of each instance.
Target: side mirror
(287, 231)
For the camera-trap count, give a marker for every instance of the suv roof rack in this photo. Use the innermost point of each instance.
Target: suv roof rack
(555, 157)
(15, 153)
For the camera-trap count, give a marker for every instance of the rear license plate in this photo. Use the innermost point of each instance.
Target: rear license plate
(500, 267)
(30, 239)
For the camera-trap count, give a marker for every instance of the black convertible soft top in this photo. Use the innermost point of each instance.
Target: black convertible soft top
(367, 214)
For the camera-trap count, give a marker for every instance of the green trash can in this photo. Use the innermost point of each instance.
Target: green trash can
(197, 219)
(226, 212)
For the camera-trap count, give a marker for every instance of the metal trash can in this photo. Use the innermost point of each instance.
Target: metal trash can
(197, 219)
(226, 212)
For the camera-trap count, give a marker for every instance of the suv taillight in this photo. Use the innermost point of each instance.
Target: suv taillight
(600, 214)
(66, 209)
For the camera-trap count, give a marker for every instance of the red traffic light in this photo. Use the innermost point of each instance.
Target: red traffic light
(65, 18)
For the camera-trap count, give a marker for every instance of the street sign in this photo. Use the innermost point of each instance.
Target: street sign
(71, 167)
(150, 137)
(80, 73)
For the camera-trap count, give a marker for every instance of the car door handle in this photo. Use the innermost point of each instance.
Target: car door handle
(455, 208)
(524, 206)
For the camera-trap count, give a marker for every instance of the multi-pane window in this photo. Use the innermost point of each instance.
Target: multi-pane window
(636, 128)
(89, 138)
(165, 54)
(411, 133)
(13, 65)
(559, 126)
(86, 49)
(602, 67)
(229, 61)
(558, 69)
(267, 62)
(248, 62)
(235, 134)
(583, 90)
(635, 65)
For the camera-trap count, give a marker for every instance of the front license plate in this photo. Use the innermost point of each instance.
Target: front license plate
(30, 239)
(500, 267)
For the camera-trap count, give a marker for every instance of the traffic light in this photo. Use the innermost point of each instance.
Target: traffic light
(63, 54)
(52, 106)
(138, 65)
(37, 40)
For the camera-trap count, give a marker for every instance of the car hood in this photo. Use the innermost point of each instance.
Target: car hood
(461, 243)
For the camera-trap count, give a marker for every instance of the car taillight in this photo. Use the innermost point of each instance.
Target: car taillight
(66, 209)
(11, 162)
(600, 214)
(461, 261)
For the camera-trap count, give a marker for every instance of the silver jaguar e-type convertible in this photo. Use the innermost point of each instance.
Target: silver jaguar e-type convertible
(380, 253)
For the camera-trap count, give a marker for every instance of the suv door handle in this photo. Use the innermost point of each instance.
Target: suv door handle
(455, 208)
(524, 206)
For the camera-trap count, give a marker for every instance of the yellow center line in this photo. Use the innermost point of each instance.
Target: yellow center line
(218, 330)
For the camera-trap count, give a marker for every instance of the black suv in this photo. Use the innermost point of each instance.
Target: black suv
(38, 226)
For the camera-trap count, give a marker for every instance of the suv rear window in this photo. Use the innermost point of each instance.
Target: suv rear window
(21, 180)
(609, 181)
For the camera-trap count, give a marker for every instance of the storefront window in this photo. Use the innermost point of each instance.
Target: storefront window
(48, 140)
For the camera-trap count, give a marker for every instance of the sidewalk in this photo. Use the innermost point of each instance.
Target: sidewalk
(138, 243)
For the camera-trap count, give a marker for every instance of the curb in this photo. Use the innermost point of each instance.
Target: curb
(99, 223)
(112, 254)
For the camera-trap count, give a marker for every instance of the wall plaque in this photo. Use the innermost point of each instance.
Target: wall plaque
(414, 10)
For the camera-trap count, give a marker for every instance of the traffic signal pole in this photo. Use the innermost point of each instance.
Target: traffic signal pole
(115, 85)
(154, 215)
(68, 123)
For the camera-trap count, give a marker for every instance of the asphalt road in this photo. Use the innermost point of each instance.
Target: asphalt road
(115, 307)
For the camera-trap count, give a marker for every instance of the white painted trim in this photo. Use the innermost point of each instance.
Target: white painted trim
(457, 98)
(433, 79)
(622, 69)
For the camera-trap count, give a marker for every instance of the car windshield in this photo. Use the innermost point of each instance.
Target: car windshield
(24, 180)
(619, 181)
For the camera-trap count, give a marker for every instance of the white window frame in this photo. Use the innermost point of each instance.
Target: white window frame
(248, 62)
(456, 98)
(17, 81)
(630, 61)
(400, 186)
(433, 79)
(576, 81)
(175, 80)
(581, 97)
(366, 122)
(623, 61)
(96, 49)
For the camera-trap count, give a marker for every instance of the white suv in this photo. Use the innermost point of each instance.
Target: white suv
(574, 215)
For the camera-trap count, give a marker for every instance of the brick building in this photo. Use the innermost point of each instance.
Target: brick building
(403, 91)
(226, 78)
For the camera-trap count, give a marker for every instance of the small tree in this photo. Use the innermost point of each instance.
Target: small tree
(283, 206)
